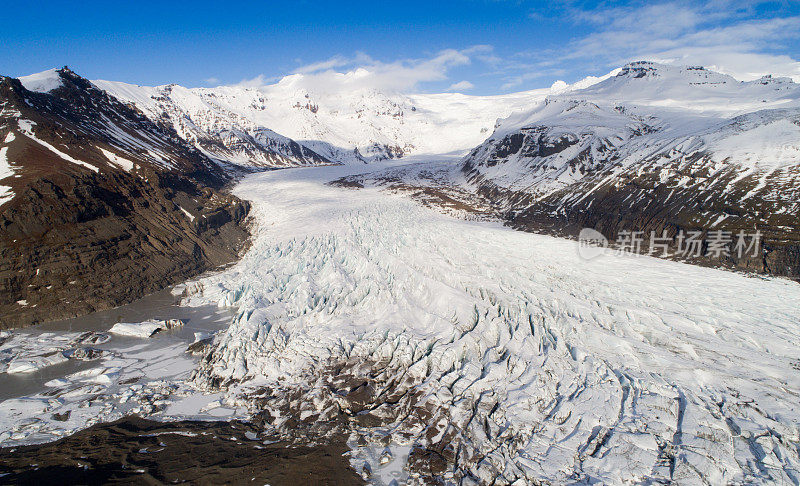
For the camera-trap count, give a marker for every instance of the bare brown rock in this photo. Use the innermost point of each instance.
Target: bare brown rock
(75, 240)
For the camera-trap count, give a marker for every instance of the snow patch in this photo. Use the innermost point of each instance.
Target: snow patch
(115, 159)
(26, 127)
(42, 82)
(6, 194)
(187, 213)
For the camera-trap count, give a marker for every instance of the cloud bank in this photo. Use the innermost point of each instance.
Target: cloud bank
(743, 39)
(363, 72)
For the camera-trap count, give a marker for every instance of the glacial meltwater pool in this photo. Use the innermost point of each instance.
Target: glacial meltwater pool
(130, 375)
(160, 305)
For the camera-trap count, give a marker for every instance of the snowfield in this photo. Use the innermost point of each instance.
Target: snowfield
(503, 351)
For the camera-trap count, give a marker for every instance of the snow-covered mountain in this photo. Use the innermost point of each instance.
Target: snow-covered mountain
(655, 147)
(107, 135)
(361, 125)
(218, 124)
(649, 147)
(647, 112)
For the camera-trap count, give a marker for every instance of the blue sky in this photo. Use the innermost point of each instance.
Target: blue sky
(476, 46)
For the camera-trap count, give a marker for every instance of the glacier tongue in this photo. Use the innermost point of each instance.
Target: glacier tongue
(503, 352)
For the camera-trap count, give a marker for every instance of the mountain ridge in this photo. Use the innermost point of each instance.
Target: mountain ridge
(361, 125)
(650, 148)
(668, 158)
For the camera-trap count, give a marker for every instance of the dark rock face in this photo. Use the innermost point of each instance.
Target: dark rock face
(651, 199)
(84, 244)
(639, 69)
(75, 240)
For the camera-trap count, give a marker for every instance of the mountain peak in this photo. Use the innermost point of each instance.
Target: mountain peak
(639, 69)
(769, 79)
(651, 69)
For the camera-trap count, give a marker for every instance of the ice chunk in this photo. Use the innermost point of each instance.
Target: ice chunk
(28, 364)
(145, 329)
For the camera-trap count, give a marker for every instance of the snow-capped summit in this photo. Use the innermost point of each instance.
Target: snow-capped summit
(42, 82)
(692, 74)
(692, 88)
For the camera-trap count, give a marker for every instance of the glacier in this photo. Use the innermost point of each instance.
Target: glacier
(445, 346)
(504, 353)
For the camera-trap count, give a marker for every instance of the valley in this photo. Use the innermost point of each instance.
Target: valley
(375, 298)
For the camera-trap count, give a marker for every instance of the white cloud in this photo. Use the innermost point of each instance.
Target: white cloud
(333, 63)
(745, 39)
(715, 34)
(724, 35)
(461, 86)
(212, 81)
(363, 72)
(255, 82)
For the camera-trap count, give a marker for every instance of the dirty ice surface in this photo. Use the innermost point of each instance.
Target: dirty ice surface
(528, 362)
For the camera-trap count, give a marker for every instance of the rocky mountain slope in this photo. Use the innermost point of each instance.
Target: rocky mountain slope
(659, 149)
(99, 205)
